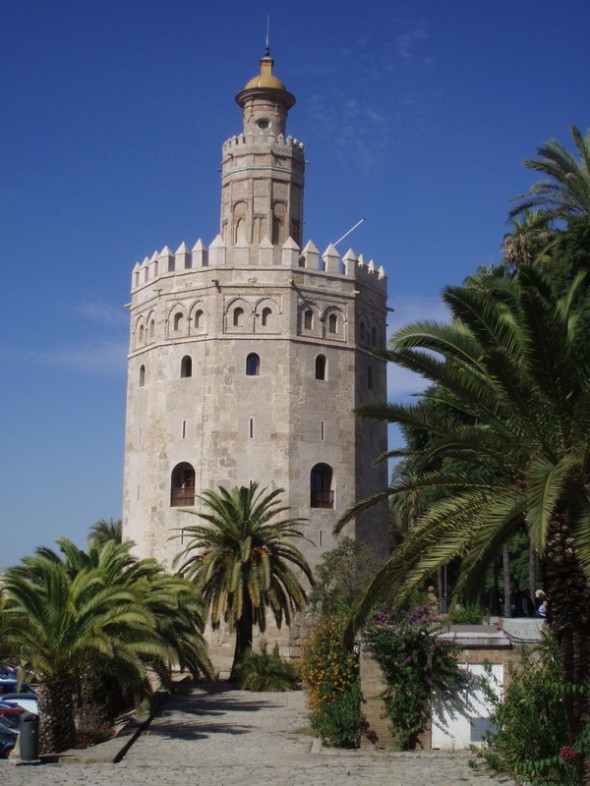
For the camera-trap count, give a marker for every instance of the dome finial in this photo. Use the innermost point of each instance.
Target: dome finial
(267, 47)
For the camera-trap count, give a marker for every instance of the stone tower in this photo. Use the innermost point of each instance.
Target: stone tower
(248, 357)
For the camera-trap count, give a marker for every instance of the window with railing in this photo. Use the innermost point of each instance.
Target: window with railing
(321, 491)
(182, 486)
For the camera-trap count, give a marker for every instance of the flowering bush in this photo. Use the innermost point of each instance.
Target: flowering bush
(413, 661)
(331, 673)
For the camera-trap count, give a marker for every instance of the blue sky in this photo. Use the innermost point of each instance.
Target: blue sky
(415, 115)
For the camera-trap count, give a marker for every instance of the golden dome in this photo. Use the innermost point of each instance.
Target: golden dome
(265, 78)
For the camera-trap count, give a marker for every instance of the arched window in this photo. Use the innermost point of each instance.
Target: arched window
(238, 316)
(178, 321)
(333, 323)
(320, 483)
(141, 376)
(320, 367)
(363, 332)
(182, 486)
(199, 318)
(374, 336)
(370, 377)
(252, 365)
(186, 366)
(266, 315)
(141, 337)
(152, 328)
(308, 319)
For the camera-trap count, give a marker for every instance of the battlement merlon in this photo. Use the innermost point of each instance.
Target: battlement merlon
(165, 265)
(280, 141)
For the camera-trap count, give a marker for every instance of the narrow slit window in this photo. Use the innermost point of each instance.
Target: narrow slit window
(141, 376)
(320, 367)
(251, 428)
(186, 366)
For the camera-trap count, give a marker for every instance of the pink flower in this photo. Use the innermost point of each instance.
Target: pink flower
(567, 752)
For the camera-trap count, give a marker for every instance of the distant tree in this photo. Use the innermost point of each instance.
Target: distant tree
(341, 577)
(242, 561)
(530, 239)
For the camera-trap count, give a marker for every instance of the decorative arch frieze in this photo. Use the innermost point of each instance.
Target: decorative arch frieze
(238, 316)
(267, 315)
(198, 318)
(178, 321)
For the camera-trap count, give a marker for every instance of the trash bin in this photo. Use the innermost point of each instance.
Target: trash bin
(29, 737)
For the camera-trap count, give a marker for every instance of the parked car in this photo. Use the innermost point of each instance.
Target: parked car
(10, 685)
(28, 701)
(10, 715)
(8, 738)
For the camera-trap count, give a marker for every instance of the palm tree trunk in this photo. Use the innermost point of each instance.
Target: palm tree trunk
(568, 595)
(507, 587)
(57, 730)
(532, 570)
(244, 628)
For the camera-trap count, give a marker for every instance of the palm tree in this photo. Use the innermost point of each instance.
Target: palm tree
(567, 193)
(106, 529)
(92, 625)
(530, 239)
(515, 373)
(242, 561)
(58, 625)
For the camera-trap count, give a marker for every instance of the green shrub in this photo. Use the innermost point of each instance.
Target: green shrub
(530, 740)
(340, 722)
(331, 674)
(471, 614)
(261, 671)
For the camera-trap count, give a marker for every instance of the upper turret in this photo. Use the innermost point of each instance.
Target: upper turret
(262, 169)
(265, 102)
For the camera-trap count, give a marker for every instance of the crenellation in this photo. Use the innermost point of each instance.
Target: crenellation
(153, 266)
(135, 276)
(349, 262)
(200, 255)
(217, 252)
(166, 262)
(331, 259)
(311, 256)
(290, 253)
(182, 258)
(279, 140)
(266, 255)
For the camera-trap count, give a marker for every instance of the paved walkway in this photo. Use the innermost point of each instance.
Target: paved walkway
(235, 738)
